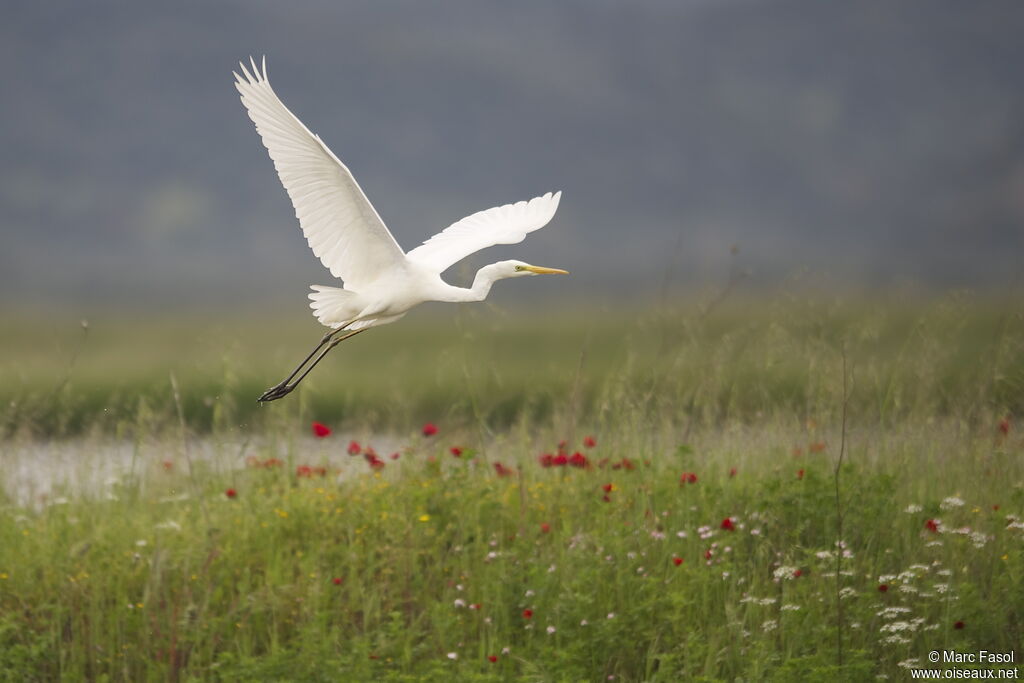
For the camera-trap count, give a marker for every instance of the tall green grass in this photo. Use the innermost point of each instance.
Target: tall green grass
(214, 557)
(744, 360)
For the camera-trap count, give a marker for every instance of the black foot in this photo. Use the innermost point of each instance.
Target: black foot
(276, 392)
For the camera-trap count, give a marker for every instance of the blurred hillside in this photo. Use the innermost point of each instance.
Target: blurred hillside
(871, 143)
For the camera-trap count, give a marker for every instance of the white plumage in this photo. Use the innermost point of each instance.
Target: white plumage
(381, 282)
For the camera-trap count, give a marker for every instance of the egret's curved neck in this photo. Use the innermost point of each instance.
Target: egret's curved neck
(485, 277)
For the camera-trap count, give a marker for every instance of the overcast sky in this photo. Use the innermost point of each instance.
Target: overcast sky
(873, 143)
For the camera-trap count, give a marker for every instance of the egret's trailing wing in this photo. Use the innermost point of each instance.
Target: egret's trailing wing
(340, 224)
(508, 224)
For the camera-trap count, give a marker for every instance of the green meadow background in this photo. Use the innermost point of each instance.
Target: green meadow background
(695, 362)
(732, 468)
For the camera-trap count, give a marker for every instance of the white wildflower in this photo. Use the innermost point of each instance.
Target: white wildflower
(453, 655)
(898, 627)
(913, 509)
(784, 572)
(951, 503)
(459, 602)
(550, 629)
(769, 625)
(790, 608)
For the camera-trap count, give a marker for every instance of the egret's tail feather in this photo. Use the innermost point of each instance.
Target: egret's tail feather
(332, 306)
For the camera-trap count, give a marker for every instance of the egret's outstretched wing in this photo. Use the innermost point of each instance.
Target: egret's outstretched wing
(340, 224)
(507, 224)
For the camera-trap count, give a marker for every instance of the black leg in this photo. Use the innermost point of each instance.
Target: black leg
(283, 388)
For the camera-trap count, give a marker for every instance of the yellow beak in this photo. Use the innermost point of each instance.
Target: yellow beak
(546, 271)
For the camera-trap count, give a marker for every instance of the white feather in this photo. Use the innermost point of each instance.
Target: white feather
(340, 224)
(508, 224)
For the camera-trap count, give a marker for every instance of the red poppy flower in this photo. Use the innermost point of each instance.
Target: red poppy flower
(589, 441)
(958, 625)
(577, 459)
(336, 580)
(800, 474)
(320, 471)
(932, 526)
(372, 460)
(883, 587)
(270, 463)
(527, 613)
(429, 429)
(354, 448)
(1004, 426)
(816, 447)
(627, 464)
(996, 506)
(231, 493)
(476, 606)
(561, 460)
(606, 498)
(545, 527)
(608, 488)
(732, 472)
(304, 471)
(394, 456)
(688, 478)
(728, 525)
(456, 451)
(492, 658)
(546, 460)
(707, 554)
(168, 465)
(321, 430)
(797, 573)
(677, 560)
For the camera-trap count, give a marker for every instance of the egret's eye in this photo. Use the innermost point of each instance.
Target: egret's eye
(520, 268)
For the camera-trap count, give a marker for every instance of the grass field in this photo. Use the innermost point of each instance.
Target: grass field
(696, 535)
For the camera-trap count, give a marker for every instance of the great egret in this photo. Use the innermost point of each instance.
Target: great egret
(381, 282)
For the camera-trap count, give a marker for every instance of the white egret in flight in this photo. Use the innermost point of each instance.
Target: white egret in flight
(381, 282)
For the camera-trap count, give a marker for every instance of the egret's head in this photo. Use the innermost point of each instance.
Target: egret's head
(519, 269)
